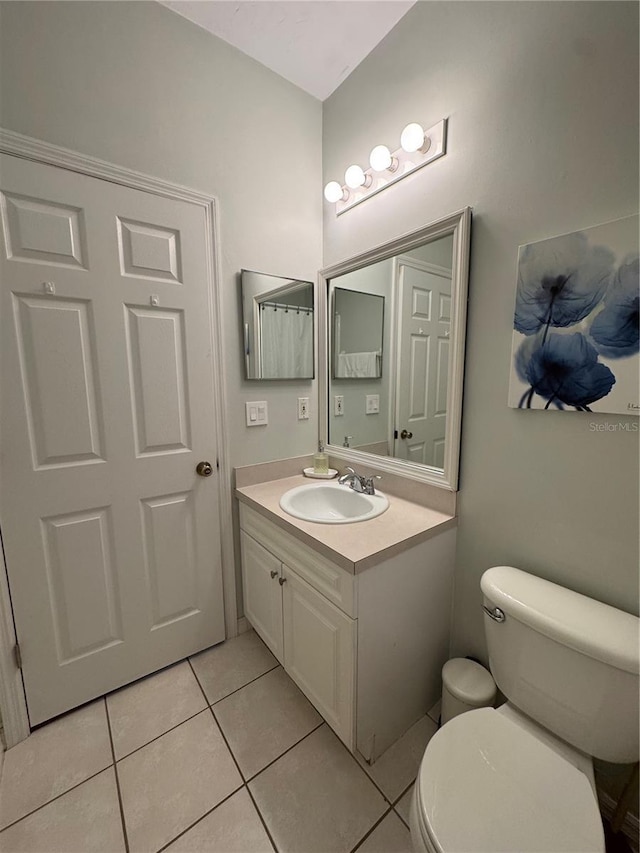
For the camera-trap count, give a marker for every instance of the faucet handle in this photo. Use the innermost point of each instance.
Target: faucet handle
(367, 483)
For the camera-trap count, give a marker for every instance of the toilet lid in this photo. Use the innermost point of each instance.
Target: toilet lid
(490, 786)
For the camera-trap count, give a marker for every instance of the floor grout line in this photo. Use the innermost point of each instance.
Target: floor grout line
(403, 821)
(262, 820)
(233, 692)
(117, 778)
(245, 785)
(201, 818)
(388, 806)
(246, 781)
(396, 801)
(235, 791)
(217, 724)
(372, 830)
(157, 737)
(288, 749)
(369, 777)
(57, 797)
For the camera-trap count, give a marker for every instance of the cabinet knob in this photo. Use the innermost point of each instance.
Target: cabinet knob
(273, 573)
(282, 580)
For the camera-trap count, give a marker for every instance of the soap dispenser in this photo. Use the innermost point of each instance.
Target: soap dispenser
(320, 460)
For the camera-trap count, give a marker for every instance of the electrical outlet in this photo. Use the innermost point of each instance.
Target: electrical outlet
(257, 413)
(303, 408)
(372, 405)
(338, 405)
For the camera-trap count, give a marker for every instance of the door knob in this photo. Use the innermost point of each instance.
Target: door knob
(204, 469)
(405, 434)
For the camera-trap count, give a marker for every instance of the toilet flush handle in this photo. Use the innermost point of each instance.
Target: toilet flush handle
(496, 614)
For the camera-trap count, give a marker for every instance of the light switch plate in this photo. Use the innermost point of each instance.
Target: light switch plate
(338, 405)
(372, 406)
(257, 413)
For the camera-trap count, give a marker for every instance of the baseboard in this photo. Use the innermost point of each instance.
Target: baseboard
(630, 825)
(243, 625)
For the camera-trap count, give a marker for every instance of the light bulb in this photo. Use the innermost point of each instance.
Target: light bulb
(380, 158)
(354, 177)
(333, 192)
(412, 138)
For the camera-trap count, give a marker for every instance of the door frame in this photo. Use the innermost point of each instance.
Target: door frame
(12, 699)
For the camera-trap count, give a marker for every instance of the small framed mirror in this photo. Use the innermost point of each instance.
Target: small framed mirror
(358, 322)
(278, 323)
(408, 300)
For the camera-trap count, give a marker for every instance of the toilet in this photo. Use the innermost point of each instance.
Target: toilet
(520, 777)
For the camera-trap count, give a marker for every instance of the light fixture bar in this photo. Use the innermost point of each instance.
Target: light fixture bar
(407, 164)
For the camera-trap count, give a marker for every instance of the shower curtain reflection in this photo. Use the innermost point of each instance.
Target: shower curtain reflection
(286, 341)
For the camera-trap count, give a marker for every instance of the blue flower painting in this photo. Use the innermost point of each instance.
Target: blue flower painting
(616, 329)
(576, 339)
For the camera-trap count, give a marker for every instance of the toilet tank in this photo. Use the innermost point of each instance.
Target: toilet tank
(565, 660)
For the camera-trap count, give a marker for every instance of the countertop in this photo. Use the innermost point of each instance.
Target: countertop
(356, 546)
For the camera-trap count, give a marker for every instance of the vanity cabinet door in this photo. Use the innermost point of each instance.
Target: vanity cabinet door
(261, 572)
(320, 652)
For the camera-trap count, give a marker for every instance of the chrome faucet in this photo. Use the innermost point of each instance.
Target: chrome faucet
(358, 483)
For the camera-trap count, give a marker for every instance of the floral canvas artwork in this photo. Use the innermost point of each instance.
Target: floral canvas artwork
(576, 333)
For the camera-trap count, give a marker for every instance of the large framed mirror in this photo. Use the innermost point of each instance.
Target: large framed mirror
(402, 412)
(277, 322)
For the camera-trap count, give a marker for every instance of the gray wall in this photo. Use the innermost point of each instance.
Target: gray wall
(440, 252)
(542, 100)
(140, 86)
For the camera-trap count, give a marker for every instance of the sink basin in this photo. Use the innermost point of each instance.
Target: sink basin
(331, 503)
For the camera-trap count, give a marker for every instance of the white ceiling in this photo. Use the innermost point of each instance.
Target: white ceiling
(315, 44)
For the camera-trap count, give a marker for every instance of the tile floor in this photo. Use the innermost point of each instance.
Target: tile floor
(218, 753)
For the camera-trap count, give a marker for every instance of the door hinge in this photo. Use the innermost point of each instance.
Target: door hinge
(17, 655)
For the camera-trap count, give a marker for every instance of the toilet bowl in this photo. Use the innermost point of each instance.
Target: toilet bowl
(491, 781)
(519, 779)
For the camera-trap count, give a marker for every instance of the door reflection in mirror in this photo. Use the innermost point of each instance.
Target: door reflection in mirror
(394, 405)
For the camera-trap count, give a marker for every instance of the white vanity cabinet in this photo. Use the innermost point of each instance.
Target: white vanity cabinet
(261, 572)
(366, 649)
(311, 637)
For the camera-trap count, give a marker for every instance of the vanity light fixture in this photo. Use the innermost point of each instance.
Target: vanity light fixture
(381, 159)
(413, 138)
(333, 192)
(355, 177)
(417, 148)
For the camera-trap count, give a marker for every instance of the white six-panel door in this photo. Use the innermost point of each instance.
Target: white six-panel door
(424, 321)
(111, 538)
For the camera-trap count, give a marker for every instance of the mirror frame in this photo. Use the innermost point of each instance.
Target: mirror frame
(459, 226)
